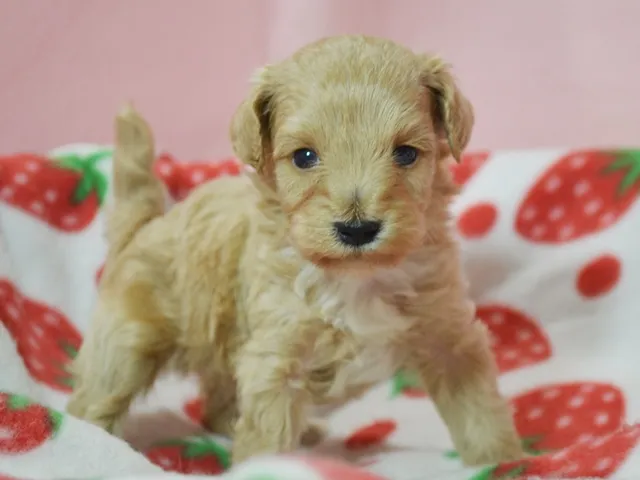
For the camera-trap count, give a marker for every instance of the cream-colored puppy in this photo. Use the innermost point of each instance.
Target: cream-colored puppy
(314, 278)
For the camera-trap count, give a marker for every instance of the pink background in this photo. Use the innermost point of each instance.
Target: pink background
(541, 73)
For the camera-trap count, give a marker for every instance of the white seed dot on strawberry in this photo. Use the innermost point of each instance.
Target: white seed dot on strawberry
(51, 319)
(566, 232)
(601, 419)
(32, 166)
(496, 319)
(38, 331)
(37, 207)
(6, 433)
(538, 231)
(21, 178)
(535, 413)
(529, 213)
(510, 355)
(36, 365)
(603, 464)
(607, 218)
(165, 169)
(550, 393)
(69, 220)
(553, 184)
(50, 196)
(561, 455)
(588, 388)
(524, 335)
(576, 402)
(34, 343)
(578, 162)
(6, 192)
(556, 213)
(13, 311)
(608, 397)
(197, 177)
(165, 462)
(564, 421)
(538, 348)
(592, 207)
(580, 188)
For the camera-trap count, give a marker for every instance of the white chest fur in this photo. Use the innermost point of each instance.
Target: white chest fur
(365, 307)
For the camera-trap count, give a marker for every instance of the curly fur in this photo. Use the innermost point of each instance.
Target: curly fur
(245, 283)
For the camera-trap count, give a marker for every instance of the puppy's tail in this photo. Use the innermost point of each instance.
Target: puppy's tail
(138, 193)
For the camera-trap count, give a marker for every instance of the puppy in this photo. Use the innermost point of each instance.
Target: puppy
(313, 278)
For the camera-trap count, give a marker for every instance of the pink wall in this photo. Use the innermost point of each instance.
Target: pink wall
(541, 73)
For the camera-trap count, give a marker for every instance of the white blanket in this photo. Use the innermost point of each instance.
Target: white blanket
(551, 243)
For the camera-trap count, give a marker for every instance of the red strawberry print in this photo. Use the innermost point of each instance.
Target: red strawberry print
(196, 455)
(25, 426)
(182, 177)
(334, 470)
(599, 276)
(595, 458)
(477, 220)
(582, 193)
(370, 435)
(557, 416)
(45, 339)
(468, 166)
(66, 192)
(406, 384)
(516, 339)
(194, 410)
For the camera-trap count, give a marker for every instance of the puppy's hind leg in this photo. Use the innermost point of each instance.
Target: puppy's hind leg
(119, 359)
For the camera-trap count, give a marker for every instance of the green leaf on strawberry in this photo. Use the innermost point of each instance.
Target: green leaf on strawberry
(191, 455)
(628, 160)
(91, 179)
(406, 383)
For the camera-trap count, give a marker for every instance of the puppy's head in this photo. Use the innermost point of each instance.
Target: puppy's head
(352, 134)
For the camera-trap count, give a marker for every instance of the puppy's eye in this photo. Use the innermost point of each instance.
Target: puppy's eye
(305, 158)
(404, 155)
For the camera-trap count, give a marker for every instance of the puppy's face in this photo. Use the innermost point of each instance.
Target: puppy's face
(352, 138)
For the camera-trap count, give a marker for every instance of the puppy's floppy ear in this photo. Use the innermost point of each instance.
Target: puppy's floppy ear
(251, 130)
(453, 113)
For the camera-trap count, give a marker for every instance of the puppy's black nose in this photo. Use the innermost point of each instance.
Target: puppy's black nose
(357, 234)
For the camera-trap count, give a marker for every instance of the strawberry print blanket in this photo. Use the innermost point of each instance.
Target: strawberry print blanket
(551, 247)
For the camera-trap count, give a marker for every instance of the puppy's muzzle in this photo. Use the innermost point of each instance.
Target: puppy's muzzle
(357, 233)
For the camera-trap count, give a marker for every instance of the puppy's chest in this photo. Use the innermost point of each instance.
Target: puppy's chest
(369, 329)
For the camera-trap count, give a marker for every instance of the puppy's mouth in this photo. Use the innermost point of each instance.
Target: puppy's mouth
(358, 263)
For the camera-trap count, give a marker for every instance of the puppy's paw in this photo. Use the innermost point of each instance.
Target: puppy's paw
(489, 452)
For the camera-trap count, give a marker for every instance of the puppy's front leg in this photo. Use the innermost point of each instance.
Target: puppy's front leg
(272, 393)
(452, 355)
